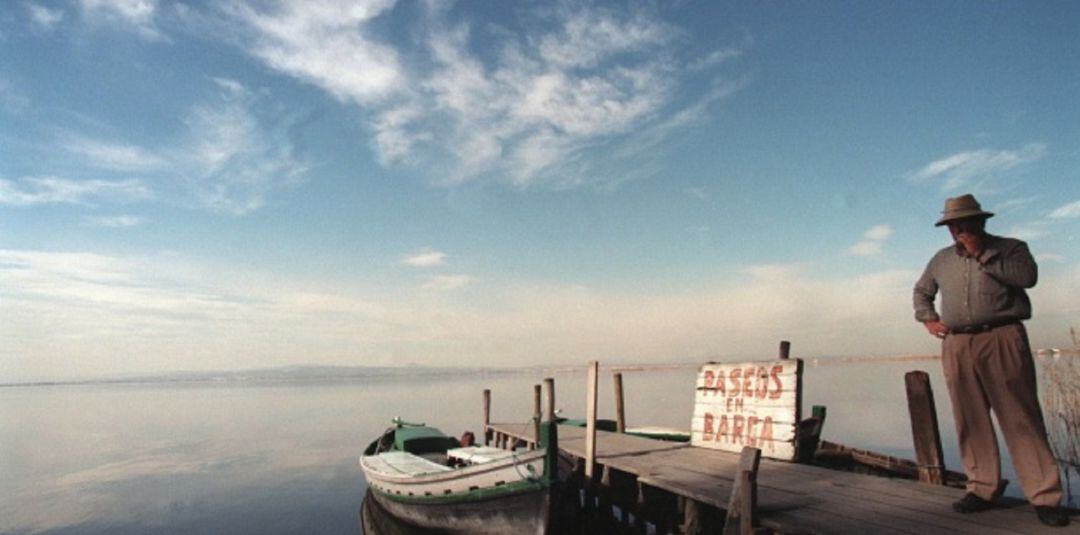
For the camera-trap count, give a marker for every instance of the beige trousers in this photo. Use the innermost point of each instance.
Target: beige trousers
(993, 370)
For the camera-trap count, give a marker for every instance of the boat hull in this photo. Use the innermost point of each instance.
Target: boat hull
(519, 512)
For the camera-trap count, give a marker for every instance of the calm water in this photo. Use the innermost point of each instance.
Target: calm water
(282, 458)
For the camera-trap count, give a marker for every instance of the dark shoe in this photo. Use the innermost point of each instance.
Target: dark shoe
(971, 503)
(1052, 516)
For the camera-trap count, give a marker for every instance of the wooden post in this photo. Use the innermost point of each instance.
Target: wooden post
(785, 349)
(487, 416)
(924, 428)
(743, 503)
(620, 411)
(549, 383)
(590, 420)
(809, 435)
(536, 416)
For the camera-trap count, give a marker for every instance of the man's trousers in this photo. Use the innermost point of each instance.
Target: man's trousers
(993, 370)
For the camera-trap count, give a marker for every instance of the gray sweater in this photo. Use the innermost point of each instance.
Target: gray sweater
(976, 291)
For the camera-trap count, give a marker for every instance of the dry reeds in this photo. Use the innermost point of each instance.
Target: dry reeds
(1061, 406)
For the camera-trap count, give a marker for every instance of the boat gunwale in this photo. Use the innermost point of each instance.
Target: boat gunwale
(453, 473)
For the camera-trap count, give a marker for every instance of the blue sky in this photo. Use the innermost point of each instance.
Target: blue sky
(207, 185)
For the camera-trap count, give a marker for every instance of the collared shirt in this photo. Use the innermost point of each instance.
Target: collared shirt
(977, 291)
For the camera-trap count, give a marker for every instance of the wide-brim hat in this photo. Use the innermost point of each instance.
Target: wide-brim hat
(961, 207)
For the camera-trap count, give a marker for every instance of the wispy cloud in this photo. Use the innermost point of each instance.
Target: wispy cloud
(12, 99)
(32, 191)
(962, 168)
(579, 79)
(136, 15)
(114, 156)
(446, 282)
(44, 18)
(872, 242)
(1068, 211)
(120, 221)
(425, 259)
(231, 156)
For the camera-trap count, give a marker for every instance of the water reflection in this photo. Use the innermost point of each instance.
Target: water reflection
(283, 458)
(374, 520)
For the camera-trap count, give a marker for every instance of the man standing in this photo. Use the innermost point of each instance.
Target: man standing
(986, 358)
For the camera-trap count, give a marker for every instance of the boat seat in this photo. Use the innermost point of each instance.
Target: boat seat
(400, 462)
(479, 454)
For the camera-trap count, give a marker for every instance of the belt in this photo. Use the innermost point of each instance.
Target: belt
(981, 327)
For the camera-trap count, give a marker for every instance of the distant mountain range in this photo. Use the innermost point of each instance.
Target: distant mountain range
(286, 374)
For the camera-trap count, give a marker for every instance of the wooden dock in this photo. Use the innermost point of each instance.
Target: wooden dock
(791, 498)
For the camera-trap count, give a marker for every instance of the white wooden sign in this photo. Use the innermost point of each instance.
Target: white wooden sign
(748, 404)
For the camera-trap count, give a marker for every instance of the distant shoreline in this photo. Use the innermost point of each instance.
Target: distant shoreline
(345, 374)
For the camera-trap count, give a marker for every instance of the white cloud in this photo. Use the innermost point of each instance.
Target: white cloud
(43, 17)
(446, 282)
(114, 156)
(326, 44)
(528, 110)
(79, 314)
(138, 15)
(425, 259)
(1029, 232)
(961, 168)
(1068, 211)
(872, 242)
(32, 191)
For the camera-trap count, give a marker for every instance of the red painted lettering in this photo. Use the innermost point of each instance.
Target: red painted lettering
(737, 429)
(709, 378)
(761, 387)
(707, 433)
(751, 438)
(720, 386)
(736, 382)
(767, 433)
(747, 382)
(778, 386)
(722, 429)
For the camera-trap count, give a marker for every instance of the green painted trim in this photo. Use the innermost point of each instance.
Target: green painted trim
(478, 495)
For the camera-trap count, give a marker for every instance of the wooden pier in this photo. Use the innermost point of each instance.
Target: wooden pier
(689, 482)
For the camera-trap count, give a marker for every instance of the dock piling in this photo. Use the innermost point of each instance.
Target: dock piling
(536, 416)
(924, 428)
(487, 417)
(741, 508)
(590, 420)
(620, 411)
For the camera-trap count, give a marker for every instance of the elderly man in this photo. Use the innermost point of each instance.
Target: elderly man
(986, 358)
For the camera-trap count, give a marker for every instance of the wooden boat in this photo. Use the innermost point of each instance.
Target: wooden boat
(425, 478)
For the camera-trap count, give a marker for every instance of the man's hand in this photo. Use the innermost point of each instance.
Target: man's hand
(936, 328)
(972, 243)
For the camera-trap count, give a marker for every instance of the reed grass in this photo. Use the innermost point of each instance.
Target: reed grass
(1061, 405)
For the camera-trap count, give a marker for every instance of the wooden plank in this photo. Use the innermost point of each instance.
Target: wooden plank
(549, 384)
(924, 428)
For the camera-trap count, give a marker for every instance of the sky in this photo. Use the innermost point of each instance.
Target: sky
(190, 185)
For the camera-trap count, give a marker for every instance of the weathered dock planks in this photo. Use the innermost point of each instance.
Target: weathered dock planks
(795, 498)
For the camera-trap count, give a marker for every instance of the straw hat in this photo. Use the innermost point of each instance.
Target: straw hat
(961, 207)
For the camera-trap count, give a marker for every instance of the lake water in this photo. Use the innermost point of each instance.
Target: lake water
(282, 458)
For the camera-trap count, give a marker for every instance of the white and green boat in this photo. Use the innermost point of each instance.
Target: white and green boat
(422, 477)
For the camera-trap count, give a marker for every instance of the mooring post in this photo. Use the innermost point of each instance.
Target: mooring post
(487, 417)
(785, 349)
(924, 428)
(741, 507)
(620, 411)
(549, 384)
(590, 420)
(536, 416)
